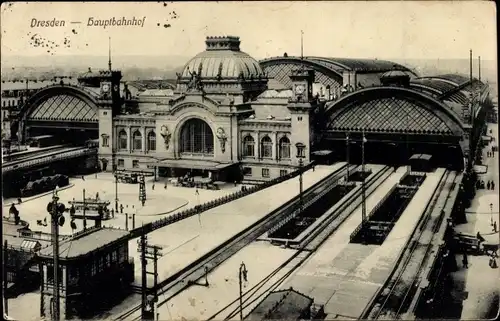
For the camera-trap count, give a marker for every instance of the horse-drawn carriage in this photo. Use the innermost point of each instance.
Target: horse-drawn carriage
(196, 181)
(129, 178)
(472, 243)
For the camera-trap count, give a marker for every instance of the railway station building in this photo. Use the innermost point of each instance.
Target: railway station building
(232, 117)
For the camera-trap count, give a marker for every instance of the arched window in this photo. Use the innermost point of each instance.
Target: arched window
(284, 148)
(122, 139)
(248, 146)
(266, 147)
(151, 141)
(137, 140)
(197, 138)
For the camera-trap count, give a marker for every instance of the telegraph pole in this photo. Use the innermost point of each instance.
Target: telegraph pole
(149, 295)
(56, 211)
(142, 243)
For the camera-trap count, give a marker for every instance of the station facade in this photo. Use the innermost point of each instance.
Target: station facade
(231, 117)
(219, 123)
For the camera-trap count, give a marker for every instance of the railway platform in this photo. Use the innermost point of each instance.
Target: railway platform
(345, 276)
(193, 237)
(476, 290)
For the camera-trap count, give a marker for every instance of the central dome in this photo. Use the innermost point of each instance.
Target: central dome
(223, 59)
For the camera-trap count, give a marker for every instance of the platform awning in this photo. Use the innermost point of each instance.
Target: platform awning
(190, 164)
(322, 152)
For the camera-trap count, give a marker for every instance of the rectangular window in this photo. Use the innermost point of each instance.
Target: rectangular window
(105, 141)
(247, 171)
(93, 268)
(121, 163)
(135, 163)
(265, 172)
(283, 172)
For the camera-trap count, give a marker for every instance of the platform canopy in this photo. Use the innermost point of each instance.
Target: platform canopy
(190, 164)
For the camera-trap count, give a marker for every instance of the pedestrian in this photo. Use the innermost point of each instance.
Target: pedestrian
(95, 174)
(488, 185)
(153, 186)
(492, 185)
(83, 178)
(165, 186)
(479, 237)
(465, 261)
(121, 208)
(235, 183)
(493, 261)
(314, 167)
(495, 226)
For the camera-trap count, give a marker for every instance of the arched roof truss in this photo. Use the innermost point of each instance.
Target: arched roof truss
(392, 110)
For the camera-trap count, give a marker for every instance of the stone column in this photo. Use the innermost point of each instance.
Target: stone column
(276, 146)
(130, 141)
(144, 140)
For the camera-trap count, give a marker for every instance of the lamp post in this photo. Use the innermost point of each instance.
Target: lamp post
(84, 208)
(243, 273)
(113, 155)
(347, 142)
(56, 211)
(300, 156)
(491, 213)
(363, 187)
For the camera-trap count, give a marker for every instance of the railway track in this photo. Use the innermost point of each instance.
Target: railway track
(179, 281)
(275, 279)
(395, 297)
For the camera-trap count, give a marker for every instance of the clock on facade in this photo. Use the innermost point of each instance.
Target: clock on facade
(299, 89)
(105, 88)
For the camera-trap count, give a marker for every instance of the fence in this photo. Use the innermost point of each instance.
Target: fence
(214, 203)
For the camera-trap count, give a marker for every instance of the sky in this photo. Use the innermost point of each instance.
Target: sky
(384, 30)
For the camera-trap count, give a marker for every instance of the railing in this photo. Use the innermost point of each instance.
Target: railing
(214, 203)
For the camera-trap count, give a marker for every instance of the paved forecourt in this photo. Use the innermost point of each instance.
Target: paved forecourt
(345, 276)
(189, 239)
(160, 202)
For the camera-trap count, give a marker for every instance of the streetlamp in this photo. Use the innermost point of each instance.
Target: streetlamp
(56, 211)
(491, 213)
(300, 155)
(242, 274)
(113, 156)
(84, 209)
(363, 187)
